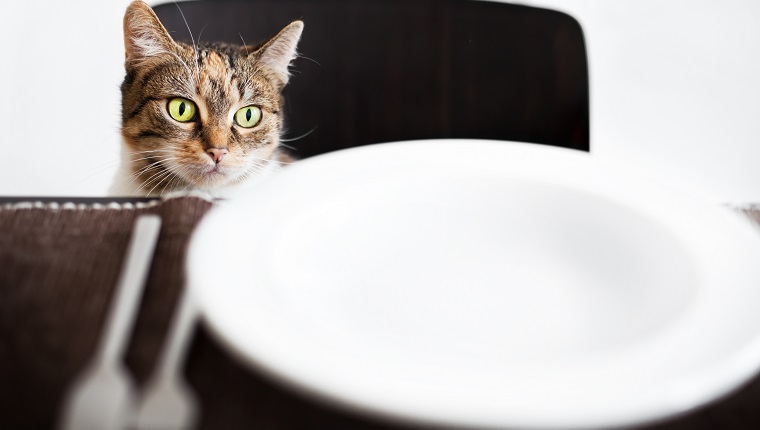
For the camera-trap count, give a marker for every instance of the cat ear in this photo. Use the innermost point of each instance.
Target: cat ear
(144, 35)
(278, 52)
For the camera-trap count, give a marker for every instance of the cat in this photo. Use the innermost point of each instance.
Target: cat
(204, 117)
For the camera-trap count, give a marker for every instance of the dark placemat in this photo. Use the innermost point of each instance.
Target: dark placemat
(59, 264)
(58, 268)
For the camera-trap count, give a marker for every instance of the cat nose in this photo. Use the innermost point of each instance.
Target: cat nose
(216, 154)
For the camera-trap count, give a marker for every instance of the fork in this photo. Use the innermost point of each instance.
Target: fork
(102, 397)
(168, 403)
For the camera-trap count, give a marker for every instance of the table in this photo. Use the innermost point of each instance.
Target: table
(59, 263)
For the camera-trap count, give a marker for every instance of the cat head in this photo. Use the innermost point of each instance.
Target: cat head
(200, 116)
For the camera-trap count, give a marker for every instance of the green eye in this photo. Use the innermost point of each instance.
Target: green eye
(182, 110)
(248, 116)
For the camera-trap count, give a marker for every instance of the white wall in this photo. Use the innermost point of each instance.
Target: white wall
(675, 91)
(62, 65)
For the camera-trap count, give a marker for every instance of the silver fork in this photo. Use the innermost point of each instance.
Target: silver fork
(168, 403)
(102, 397)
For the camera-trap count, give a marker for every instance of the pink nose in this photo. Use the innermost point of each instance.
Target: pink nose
(216, 154)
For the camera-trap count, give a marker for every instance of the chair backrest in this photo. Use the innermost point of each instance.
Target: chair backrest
(376, 71)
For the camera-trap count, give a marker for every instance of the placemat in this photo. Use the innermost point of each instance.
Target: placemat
(59, 264)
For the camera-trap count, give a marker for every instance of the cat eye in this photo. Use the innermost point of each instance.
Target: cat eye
(182, 110)
(248, 116)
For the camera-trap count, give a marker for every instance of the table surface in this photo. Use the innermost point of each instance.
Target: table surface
(59, 265)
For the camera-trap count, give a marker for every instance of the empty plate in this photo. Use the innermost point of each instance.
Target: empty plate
(484, 284)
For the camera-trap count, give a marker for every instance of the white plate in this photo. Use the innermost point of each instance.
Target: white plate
(486, 284)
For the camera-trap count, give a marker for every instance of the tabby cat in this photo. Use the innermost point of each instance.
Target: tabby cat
(199, 117)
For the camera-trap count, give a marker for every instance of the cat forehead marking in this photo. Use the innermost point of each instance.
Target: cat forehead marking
(216, 84)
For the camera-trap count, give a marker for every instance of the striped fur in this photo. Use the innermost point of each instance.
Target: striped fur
(161, 154)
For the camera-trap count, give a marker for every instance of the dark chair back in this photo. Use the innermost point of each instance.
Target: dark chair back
(376, 71)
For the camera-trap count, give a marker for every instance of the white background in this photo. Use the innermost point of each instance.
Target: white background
(675, 92)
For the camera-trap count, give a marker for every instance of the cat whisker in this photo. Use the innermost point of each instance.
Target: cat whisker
(157, 155)
(152, 177)
(157, 179)
(161, 152)
(163, 178)
(156, 164)
(187, 185)
(245, 45)
(296, 138)
(147, 167)
(145, 151)
(178, 171)
(195, 47)
(310, 59)
(152, 166)
(200, 34)
(170, 185)
(172, 177)
(279, 163)
(269, 160)
(150, 157)
(150, 161)
(168, 150)
(248, 173)
(142, 171)
(257, 167)
(140, 186)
